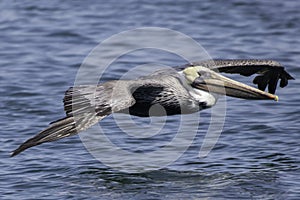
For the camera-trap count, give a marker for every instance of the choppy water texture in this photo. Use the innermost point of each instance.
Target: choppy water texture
(42, 46)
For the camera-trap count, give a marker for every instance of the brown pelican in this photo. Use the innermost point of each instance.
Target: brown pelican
(187, 89)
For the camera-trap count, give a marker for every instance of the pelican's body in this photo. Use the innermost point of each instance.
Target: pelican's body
(165, 93)
(186, 89)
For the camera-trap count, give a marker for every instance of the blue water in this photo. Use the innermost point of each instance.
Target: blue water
(43, 44)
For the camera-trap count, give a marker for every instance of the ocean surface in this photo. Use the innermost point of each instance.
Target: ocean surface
(44, 43)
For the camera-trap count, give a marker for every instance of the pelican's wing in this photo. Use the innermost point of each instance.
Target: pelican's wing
(269, 71)
(103, 99)
(84, 106)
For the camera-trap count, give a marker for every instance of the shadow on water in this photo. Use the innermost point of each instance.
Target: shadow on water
(167, 183)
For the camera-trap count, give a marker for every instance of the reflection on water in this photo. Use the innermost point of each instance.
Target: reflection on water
(174, 184)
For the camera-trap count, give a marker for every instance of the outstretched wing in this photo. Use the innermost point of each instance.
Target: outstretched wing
(269, 71)
(101, 100)
(84, 106)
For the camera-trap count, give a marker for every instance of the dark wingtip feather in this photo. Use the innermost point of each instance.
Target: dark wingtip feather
(62, 128)
(21, 148)
(260, 82)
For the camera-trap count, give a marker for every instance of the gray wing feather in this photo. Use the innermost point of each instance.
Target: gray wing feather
(84, 106)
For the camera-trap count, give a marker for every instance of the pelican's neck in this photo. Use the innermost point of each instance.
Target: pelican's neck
(210, 99)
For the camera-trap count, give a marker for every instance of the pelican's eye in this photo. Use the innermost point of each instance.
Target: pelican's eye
(204, 74)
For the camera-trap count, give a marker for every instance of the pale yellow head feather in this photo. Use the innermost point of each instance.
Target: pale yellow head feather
(191, 73)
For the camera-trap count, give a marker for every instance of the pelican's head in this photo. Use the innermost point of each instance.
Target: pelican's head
(203, 78)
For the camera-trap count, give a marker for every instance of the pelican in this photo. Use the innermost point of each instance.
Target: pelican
(186, 89)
